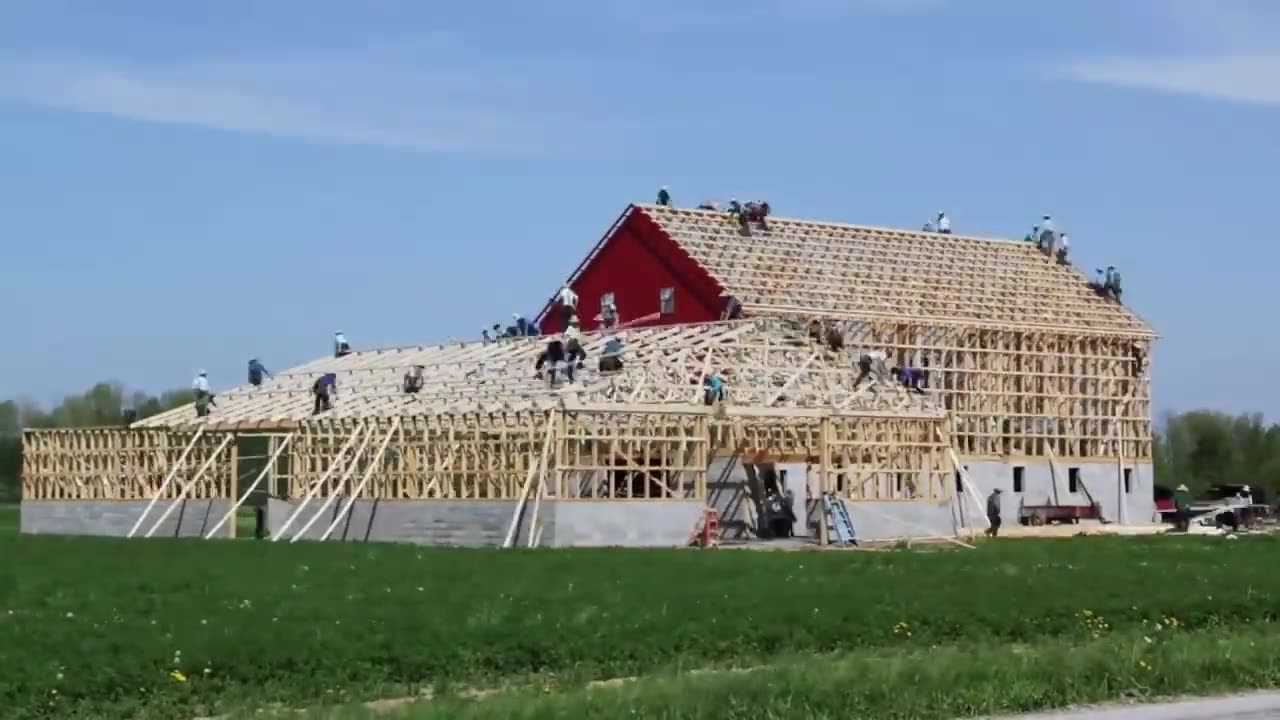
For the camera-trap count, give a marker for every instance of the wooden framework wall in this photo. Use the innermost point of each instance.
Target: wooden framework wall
(638, 453)
(121, 464)
(858, 457)
(1012, 393)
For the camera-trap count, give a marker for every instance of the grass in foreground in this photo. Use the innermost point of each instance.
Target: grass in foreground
(8, 519)
(167, 629)
(963, 680)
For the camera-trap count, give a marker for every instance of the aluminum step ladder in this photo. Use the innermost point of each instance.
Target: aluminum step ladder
(838, 520)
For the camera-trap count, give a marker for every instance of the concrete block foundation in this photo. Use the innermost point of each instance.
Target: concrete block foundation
(474, 523)
(192, 518)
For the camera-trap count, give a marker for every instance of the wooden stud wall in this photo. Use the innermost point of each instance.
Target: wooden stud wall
(119, 464)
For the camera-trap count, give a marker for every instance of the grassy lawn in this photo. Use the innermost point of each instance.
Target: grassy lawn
(938, 682)
(8, 519)
(127, 629)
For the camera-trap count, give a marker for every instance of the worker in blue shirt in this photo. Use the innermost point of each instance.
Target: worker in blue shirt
(714, 388)
(256, 372)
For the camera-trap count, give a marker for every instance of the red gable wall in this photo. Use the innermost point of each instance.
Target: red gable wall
(635, 263)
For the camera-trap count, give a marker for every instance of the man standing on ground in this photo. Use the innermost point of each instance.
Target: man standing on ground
(1182, 508)
(993, 512)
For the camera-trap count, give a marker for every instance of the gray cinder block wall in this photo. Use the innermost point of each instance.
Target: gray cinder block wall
(192, 518)
(659, 523)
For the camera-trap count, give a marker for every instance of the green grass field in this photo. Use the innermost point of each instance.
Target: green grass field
(8, 519)
(128, 629)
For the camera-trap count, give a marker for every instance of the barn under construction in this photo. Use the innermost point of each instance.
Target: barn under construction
(1036, 385)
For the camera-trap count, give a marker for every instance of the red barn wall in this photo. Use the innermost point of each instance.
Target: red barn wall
(635, 264)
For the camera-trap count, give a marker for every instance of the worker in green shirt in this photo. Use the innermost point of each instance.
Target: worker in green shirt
(1182, 508)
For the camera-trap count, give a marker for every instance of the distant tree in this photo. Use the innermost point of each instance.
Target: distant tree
(1201, 448)
(101, 405)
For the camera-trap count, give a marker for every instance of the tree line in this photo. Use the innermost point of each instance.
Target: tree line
(102, 405)
(1198, 448)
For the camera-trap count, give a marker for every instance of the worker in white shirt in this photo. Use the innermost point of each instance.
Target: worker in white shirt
(575, 356)
(204, 398)
(340, 345)
(568, 304)
(944, 223)
(871, 362)
(1064, 247)
(1046, 235)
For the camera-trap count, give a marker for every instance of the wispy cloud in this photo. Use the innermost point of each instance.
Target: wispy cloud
(330, 100)
(1252, 77)
(1231, 51)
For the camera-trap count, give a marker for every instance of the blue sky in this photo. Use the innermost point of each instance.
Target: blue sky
(190, 184)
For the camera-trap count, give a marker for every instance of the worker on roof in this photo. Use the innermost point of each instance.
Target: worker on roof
(549, 359)
(871, 362)
(993, 512)
(910, 377)
(735, 207)
(815, 331)
(340, 345)
(325, 388)
(943, 223)
(256, 372)
(575, 356)
(1032, 236)
(713, 388)
(834, 338)
(1111, 282)
(608, 316)
(664, 197)
(204, 398)
(413, 379)
(754, 211)
(568, 304)
(1099, 282)
(709, 205)
(1064, 248)
(1047, 235)
(611, 359)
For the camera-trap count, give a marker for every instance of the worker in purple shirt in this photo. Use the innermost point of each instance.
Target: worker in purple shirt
(325, 388)
(913, 378)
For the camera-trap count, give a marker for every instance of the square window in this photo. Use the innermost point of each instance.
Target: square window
(1073, 479)
(667, 301)
(1017, 478)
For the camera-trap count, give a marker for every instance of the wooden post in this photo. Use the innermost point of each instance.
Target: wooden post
(167, 479)
(235, 482)
(368, 473)
(824, 448)
(355, 462)
(188, 485)
(528, 482)
(279, 448)
(315, 487)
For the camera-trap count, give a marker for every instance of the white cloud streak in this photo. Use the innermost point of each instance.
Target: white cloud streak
(325, 100)
(1252, 77)
(1232, 53)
